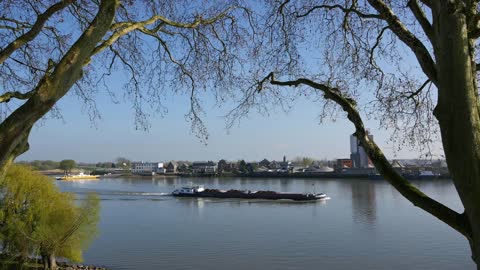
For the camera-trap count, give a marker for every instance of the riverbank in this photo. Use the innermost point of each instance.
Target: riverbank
(10, 264)
(304, 175)
(327, 175)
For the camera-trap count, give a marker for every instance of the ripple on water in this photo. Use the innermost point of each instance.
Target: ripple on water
(366, 225)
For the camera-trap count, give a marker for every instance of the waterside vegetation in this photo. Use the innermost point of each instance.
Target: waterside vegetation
(247, 53)
(39, 221)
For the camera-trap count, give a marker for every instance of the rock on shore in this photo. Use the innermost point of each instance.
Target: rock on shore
(65, 266)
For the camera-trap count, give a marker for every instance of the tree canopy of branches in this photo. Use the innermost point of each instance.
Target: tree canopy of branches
(48, 48)
(412, 64)
(37, 219)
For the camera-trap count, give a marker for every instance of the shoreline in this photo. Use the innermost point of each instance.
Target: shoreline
(317, 175)
(34, 263)
(281, 175)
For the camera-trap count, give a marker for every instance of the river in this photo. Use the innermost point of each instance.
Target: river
(367, 224)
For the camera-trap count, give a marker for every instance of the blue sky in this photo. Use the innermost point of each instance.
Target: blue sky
(296, 133)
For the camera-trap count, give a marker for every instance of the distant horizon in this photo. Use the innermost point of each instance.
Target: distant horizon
(296, 133)
(228, 160)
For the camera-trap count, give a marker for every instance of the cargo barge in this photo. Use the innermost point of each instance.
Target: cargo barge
(200, 191)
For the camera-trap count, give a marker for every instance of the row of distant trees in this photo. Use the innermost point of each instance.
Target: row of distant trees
(42, 164)
(67, 165)
(121, 162)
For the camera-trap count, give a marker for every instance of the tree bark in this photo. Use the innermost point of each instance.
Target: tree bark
(52, 262)
(16, 127)
(19, 149)
(457, 110)
(49, 262)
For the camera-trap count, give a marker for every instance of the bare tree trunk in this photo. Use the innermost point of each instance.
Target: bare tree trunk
(52, 262)
(45, 262)
(20, 148)
(49, 262)
(458, 112)
(16, 127)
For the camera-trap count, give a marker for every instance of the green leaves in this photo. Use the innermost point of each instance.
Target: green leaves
(67, 165)
(36, 218)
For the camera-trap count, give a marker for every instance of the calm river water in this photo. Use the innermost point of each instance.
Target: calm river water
(365, 225)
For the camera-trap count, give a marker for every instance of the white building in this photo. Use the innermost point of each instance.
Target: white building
(202, 167)
(357, 153)
(147, 167)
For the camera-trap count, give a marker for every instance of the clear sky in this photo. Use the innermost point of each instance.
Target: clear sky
(297, 133)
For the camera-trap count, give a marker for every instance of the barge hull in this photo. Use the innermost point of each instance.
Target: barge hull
(268, 195)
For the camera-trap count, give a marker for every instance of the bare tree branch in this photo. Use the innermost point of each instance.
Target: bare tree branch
(418, 198)
(123, 28)
(5, 97)
(428, 3)
(342, 8)
(413, 94)
(421, 18)
(34, 31)
(196, 22)
(56, 84)
(398, 28)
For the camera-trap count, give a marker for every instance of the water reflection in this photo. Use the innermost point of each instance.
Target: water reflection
(195, 204)
(143, 227)
(364, 208)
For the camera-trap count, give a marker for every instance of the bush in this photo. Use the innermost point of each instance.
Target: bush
(36, 218)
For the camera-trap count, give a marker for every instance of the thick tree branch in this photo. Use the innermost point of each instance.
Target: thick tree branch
(34, 31)
(475, 33)
(21, 147)
(421, 18)
(414, 195)
(427, 3)
(342, 8)
(5, 97)
(398, 28)
(56, 84)
(196, 22)
(123, 28)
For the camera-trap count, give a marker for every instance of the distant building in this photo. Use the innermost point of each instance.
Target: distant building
(183, 168)
(147, 167)
(204, 167)
(230, 166)
(357, 153)
(344, 163)
(274, 165)
(264, 163)
(285, 165)
(221, 166)
(171, 168)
